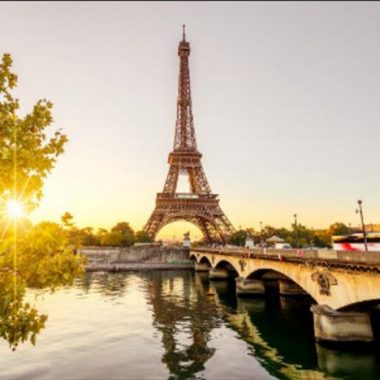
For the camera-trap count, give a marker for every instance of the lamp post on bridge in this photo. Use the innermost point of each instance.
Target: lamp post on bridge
(296, 230)
(312, 237)
(261, 235)
(360, 211)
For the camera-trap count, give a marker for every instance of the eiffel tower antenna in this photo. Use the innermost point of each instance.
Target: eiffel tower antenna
(200, 206)
(183, 32)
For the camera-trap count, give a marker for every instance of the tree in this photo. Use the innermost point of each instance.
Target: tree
(88, 237)
(31, 256)
(322, 238)
(121, 235)
(27, 154)
(143, 237)
(127, 233)
(100, 233)
(339, 228)
(67, 220)
(112, 239)
(238, 237)
(78, 237)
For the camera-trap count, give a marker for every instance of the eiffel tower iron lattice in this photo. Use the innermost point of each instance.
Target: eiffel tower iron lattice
(200, 206)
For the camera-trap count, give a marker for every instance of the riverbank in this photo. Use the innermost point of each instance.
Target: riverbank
(119, 267)
(139, 257)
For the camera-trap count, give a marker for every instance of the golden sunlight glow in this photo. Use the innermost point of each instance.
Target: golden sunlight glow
(174, 232)
(15, 209)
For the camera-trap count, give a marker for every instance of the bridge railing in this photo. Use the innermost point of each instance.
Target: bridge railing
(370, 258)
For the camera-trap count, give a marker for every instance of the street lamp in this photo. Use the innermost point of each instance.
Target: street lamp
(312, 237)
(296, 230)
(261, 235)
(360, 211)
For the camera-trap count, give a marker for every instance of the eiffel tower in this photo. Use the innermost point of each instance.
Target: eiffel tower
(200, 206)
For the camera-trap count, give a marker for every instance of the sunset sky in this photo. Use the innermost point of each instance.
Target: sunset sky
(285, 99)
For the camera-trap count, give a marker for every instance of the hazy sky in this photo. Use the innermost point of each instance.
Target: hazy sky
(285, 101)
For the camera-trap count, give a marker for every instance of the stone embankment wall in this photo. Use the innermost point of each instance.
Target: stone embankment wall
(153, 254)
(149, 255)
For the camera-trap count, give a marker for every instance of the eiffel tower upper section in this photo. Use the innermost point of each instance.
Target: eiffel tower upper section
(185, 157)
(184, 139)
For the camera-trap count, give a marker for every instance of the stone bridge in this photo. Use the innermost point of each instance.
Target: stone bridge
(342, 285)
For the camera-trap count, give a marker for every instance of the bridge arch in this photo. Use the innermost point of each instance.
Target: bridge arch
(193, 257)
(205, 260)
(226, 264)
(268, 274)
(363, 305)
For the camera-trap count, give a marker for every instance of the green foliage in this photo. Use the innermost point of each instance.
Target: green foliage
(143, 237)
(24, 142)
(67, 220)
(88, 237)
(78, 237)
(112, 239)
(45, 258)
(306, 237)
(19, 322)
(321, 239)
(38, 256)
(123, 227)
(238, 237)
(100, 233)
(121, 235)
(339, 229)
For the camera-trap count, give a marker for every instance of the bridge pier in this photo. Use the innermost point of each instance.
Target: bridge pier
(218, 274)
(249, 287)
(201, 267)
(290, 288)
(341, 327)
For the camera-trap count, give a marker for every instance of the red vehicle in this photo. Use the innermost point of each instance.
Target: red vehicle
(355, 242)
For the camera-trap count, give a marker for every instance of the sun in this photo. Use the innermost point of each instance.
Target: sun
(15, 209)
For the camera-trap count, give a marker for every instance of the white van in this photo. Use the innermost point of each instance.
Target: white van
(282, 246)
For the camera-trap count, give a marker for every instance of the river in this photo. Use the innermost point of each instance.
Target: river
(174, 325)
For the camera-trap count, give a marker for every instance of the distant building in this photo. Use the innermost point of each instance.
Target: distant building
(372, 227)
(249, 242)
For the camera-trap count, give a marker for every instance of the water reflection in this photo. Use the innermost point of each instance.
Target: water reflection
(19, 322)
(360, 365)
(108, 284)
(285, 349)
(280, 330)
(185, 317)
(177, 325)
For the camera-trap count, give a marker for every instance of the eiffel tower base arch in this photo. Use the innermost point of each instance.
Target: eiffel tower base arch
(203, 213)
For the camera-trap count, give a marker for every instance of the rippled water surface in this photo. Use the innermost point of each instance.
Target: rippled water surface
(174, 325)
